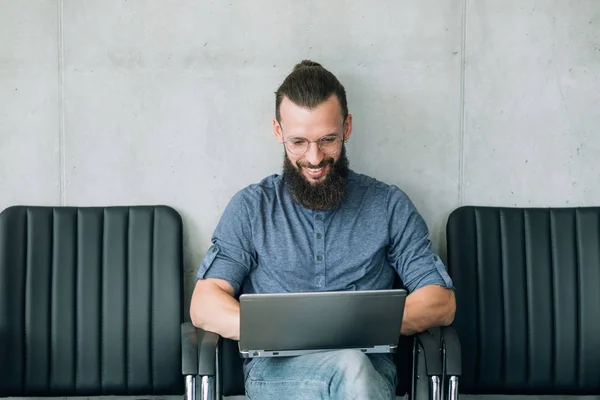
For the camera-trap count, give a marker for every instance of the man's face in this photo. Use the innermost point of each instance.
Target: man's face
(315, 176)
(298, 122)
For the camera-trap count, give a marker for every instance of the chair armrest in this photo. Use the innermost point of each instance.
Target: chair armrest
(451, 352)
(189, 349)
(207, 352)
(430, 343)
(199, 349)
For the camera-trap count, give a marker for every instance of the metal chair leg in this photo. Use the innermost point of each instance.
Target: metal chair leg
(190, 387)
(453, 388)
(435, 388)
(207, 388)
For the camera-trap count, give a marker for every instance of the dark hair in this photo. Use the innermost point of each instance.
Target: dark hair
(309, 85)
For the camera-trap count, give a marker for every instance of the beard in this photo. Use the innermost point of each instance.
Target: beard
(322, 195)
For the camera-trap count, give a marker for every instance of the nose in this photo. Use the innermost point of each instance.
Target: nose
(314, 155)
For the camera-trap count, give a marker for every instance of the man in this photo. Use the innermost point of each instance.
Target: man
(319, 227)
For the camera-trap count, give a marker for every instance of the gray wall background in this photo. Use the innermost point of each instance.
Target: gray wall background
(111, 102)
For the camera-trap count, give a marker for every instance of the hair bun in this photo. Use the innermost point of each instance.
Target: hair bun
(307, 63)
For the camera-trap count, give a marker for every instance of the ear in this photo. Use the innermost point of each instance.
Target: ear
(277, 131)
(348, 128)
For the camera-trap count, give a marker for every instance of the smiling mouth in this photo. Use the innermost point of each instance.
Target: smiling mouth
(315, 173)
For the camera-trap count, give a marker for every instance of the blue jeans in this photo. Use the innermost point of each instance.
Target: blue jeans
(341, 374)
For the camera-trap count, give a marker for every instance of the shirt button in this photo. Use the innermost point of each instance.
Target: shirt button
(319, 258)
(318, 236)
(435, 258)
(319, 217)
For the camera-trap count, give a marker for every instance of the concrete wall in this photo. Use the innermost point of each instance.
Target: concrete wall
(108, 102)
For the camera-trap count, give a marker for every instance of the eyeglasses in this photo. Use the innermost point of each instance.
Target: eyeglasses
(327, 144)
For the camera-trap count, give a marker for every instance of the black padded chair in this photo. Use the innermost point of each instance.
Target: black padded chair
(528, 303)
(418, 361)
(91, 302)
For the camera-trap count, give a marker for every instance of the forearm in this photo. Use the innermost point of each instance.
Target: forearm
(428, 307)
(214, 309)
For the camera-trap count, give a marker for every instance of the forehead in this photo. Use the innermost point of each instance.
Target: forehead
(324, 119)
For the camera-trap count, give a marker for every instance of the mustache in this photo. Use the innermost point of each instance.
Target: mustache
(306, 164)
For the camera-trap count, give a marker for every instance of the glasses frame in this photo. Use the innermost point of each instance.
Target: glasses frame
(318, 142)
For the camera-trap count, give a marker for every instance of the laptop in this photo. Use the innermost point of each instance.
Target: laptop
(291, 324)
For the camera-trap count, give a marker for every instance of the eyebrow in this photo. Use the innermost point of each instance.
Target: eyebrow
(324, 136)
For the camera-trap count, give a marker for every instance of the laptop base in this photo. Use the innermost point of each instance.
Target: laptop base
(291, 353)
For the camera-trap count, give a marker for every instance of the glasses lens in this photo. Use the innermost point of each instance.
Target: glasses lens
(330, 145)
(297, 146)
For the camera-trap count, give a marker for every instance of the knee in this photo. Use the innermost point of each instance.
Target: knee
(355, 377)
(352, 365)
(353, 357)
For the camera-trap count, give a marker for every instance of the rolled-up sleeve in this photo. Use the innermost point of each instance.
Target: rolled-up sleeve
(231, 256)
(410, 250)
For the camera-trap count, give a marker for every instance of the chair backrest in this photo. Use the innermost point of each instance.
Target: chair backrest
(232, 376)
(528, 300)
(90, 301)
